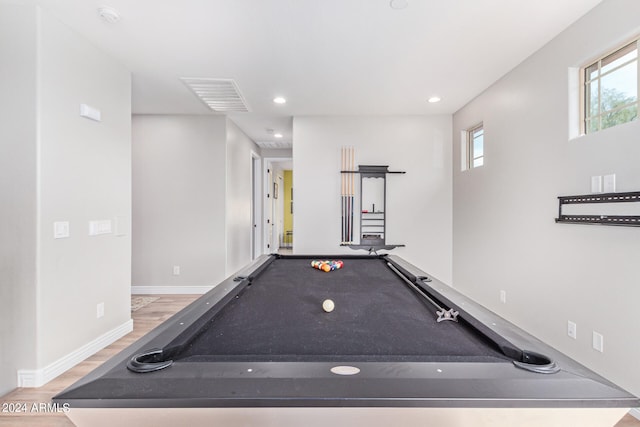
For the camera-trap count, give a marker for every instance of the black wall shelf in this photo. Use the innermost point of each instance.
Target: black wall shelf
(620, 220)
(372, 220)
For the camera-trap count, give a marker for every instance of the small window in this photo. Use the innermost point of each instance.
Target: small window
(475, 146)
(610, 92)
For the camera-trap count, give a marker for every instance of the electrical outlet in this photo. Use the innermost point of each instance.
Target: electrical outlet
(100, 310)
(176, 270)
(572, 329)
(503, 297)
(598, 342)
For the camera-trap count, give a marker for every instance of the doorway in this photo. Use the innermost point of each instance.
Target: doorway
(278, 205)
(256, 215)
(287, 212)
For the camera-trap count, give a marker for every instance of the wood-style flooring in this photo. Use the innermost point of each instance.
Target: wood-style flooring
(144, 320)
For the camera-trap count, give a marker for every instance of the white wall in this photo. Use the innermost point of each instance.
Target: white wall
(238, 197)
(85, 174)
(505, 237)
(179, 179)
(418, 202)
(66, 168)
(17, 191)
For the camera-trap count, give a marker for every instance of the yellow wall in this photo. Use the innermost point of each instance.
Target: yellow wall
(288, 217)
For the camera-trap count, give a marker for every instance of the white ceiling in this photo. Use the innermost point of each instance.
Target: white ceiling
(327, 57)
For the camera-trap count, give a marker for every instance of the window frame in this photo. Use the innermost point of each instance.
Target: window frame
(609, 57)
(470, 143)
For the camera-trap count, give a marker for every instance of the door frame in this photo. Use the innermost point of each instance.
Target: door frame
(270, 245)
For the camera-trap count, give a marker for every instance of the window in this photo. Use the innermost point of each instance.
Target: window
(475, 146)
(610, 91)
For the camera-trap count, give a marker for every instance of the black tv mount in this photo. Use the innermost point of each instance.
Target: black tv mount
(620, 220)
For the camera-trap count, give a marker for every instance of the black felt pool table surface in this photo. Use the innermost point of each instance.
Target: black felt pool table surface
(260, 339)
(376, 317)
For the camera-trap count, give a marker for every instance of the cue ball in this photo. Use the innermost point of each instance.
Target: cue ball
(328, 305)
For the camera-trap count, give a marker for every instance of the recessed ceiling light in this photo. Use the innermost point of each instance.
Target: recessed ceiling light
(434, 99)
(279, 100)
(399, 4)
(277, 135)
(108, 14)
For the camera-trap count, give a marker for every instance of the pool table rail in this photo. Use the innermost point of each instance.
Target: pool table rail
(251, 383)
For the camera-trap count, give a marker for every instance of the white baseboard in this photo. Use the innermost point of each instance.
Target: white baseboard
(170, 290)
(635, 412)
(39, 377)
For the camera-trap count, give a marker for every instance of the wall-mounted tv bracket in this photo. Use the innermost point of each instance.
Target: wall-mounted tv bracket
(624, 220)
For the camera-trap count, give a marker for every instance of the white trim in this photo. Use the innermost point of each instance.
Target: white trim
(256, 206)
(635, 412)
(575, 103)
(170, 290)
(267, 208)
(464, 152)
(39, 377)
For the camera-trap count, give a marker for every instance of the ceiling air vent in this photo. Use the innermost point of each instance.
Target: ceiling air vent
(221, 95)
(274, 144)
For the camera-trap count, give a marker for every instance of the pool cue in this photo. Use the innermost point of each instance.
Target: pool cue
(442, 313)
(346, 197)
(352, 196)
(346, 192)
(342, 196)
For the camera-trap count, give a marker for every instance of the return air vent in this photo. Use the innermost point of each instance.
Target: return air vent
(274, 144)
(221, 95)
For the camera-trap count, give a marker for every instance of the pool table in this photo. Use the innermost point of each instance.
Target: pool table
(399, 348)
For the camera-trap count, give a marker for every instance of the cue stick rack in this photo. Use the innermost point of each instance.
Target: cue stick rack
(620, 220)
(371, 222)
(347, 196)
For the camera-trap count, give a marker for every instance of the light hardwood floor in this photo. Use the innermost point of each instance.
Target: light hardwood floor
(144, 320)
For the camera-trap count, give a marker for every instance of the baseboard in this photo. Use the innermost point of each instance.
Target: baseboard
(635, 412)
(39, 377)
(170, 290)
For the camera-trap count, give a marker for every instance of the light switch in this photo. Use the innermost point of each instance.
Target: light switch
(99, 227)
(60, 229)
(610, 183)
(596, 184)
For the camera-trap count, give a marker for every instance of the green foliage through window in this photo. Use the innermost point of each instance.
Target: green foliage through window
(475, 146)
(611, 89)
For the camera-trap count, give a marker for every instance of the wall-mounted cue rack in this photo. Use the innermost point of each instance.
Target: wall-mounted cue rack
(372, 224)
(620, 220)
